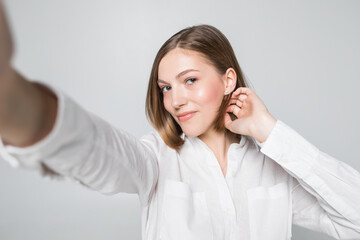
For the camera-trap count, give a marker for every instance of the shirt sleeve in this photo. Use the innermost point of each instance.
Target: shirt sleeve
(326, 193)
(85, 148)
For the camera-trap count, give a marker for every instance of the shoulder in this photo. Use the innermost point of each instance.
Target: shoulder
(151, 137)
(154, 141)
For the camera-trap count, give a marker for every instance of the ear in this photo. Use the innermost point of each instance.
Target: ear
(229, 80)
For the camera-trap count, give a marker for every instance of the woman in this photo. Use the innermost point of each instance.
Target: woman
(201, 174)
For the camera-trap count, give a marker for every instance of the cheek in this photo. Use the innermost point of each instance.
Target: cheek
(211, 96)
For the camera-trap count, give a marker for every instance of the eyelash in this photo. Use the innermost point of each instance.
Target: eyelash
(192, 79)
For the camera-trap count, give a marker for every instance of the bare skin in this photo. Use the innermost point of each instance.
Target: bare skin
(27, 109)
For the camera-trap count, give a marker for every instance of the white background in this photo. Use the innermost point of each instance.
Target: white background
(301, 57)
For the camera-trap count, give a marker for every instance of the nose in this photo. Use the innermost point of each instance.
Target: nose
(178, 97)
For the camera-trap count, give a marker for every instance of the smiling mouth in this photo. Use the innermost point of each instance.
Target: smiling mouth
(186, 117)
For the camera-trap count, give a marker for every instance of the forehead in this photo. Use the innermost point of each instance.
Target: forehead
(179, 59)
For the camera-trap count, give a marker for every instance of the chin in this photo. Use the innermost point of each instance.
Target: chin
(192, 132)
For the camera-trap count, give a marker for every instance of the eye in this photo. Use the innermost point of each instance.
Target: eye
(191, 80)
(165, 88)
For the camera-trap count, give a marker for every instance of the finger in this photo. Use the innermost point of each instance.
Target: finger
(233, 101)
(240, 98)
(234, 109)
(242, 90)
(245, 90)
(239, 103)
(237, 91)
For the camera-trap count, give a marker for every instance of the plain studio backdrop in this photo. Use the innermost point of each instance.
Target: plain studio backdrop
(301, 57)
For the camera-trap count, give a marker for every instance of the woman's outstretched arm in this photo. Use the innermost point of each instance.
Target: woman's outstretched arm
(43, 129)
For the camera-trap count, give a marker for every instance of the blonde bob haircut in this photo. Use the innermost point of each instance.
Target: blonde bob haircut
(215, 47)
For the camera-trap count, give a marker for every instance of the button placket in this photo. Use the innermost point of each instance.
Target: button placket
(225, 195)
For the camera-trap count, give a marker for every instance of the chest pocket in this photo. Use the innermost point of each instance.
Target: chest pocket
(185, 214)
(270, 212)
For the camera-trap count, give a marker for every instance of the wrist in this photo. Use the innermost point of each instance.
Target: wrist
(263, 127)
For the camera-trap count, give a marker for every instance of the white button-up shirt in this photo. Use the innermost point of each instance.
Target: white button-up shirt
(184, 194)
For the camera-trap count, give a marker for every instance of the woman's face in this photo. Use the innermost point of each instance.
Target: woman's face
(190, 85)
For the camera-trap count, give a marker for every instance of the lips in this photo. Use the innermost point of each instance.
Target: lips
(185, 116)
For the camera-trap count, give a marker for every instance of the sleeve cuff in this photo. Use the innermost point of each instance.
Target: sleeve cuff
(289, 149)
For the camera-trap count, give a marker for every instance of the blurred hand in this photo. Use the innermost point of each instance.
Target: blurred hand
(6, 44)
(253, 118)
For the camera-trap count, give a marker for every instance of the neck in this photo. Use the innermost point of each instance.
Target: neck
(219, 142)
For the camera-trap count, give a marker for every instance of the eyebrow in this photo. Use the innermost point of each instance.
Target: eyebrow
(180, 74)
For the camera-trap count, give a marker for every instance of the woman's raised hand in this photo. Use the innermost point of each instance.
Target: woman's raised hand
(6, 44)
(27, 109)
(253, 118)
